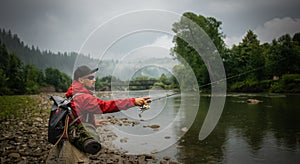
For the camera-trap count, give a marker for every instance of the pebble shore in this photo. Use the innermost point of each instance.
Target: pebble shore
(24, 139)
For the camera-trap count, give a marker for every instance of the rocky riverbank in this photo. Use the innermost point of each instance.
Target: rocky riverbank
(24, 139)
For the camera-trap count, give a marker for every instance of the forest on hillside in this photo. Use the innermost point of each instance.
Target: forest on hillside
(250, 66)
(32, 55)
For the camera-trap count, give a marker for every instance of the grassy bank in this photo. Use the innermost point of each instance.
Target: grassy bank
(14, 106)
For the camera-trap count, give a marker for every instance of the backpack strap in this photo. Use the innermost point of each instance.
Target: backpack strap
(64, 135)
(70, 110)
(74, 120)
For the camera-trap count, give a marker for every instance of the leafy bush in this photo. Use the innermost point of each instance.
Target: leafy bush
(251, 86)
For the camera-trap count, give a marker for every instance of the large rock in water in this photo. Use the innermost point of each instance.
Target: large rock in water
(253, 101)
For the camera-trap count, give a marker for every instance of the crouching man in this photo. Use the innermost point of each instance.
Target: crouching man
(84, 105)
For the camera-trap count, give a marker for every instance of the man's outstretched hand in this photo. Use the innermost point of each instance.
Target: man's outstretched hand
(142, 101)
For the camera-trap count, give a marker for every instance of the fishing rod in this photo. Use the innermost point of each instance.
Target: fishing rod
(147, 106)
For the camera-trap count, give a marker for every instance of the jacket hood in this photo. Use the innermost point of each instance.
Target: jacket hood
(77, 87)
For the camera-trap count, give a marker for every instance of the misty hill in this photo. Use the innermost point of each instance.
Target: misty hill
(34, 56)
(64, 62)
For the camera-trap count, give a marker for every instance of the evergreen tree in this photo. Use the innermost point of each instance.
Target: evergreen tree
(33, 79)
(250, 57)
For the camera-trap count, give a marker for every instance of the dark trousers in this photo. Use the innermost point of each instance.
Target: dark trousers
(80, 132)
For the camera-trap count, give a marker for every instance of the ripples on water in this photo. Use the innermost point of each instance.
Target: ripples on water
(268, 132)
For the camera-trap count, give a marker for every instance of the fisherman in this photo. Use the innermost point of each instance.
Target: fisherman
(84, 105)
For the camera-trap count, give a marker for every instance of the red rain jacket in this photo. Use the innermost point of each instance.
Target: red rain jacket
(87, 105)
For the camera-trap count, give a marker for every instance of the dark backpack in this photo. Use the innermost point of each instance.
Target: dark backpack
(60, 109)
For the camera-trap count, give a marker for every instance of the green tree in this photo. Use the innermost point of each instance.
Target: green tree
(59, 80)
(273, 59)
(183, 77)
(194, 35)
(15, 75)
(284, 55)
(296, 38)
(164, 79)
(254, 53)
(32, 79)
(296, 47)
(11, 72)
(3, 81)
(248, 59)
(64, 82)
(4, 57)
(294, 57)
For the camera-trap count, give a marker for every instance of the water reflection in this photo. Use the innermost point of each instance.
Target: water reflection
(192, 150)
(268, 132)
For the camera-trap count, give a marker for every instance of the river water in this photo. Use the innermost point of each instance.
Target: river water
(267, 132)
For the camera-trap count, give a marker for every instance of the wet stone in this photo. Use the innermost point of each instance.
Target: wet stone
(173, 162)
(166, 158)
(163, 161)
(14, 155)
(167, 137)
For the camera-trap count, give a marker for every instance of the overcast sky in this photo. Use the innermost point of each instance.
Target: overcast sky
(65, 25)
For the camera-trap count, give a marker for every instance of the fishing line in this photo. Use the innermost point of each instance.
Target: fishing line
(231, 77)
(146, 107)
(240, 74)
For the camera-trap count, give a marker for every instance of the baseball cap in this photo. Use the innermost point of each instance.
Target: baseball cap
(83, 71)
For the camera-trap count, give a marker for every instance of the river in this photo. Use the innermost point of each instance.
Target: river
(267, 132)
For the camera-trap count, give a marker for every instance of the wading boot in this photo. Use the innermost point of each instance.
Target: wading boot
(91, 146)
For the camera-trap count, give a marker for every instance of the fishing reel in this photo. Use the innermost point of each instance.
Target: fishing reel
(143, 108)
(147, 106)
